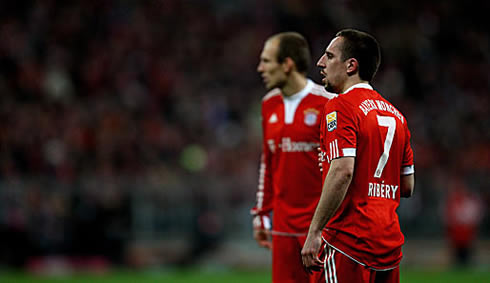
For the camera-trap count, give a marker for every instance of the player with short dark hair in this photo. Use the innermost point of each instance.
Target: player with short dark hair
(368, 166)
(364, 48)
(293, 45)
(289, 179)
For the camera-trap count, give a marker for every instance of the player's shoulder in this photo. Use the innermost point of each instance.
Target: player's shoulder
(320, 91)
(337, 98)
(340, 102)
(356, 95)
(390, 107)
(274, 93)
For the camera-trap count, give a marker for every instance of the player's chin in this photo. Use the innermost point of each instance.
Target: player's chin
(269, 85)
(329, 87)
(272, 84)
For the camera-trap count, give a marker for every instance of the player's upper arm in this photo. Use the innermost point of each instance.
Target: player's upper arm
(407, 184)
(407, 178)
(340, 129)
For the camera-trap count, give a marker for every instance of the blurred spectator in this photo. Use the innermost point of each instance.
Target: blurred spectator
(463, 212)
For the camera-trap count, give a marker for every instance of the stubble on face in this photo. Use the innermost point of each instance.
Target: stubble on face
(333, 66)
(329, 87)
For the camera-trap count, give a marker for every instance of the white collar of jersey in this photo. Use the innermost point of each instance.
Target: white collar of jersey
(302, 93)
(359, 85)
(292, 102)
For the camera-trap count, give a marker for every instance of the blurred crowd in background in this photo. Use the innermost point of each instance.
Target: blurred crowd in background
(140, 120)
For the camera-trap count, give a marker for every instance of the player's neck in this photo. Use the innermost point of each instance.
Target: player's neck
(352, 81)
(294, 84)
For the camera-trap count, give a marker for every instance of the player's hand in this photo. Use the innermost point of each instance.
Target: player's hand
(262, 231)
(310, 251)
(263, 238)
(321, 158)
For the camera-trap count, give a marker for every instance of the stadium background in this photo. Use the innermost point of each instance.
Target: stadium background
(130, 131)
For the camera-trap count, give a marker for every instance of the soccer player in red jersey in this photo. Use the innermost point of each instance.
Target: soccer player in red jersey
(289, 179)
(368, 166)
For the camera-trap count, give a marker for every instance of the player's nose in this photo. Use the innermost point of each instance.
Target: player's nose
(260, 68)
(320, 62)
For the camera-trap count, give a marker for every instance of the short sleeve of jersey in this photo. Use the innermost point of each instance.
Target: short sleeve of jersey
(339, 131)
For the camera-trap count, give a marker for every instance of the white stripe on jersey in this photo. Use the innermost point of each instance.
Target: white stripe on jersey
(325, 248)
(327, 265)
(334, 150)
(260, 191)
(334, 271)
(337, 148)
(335, 153)
(330, 271)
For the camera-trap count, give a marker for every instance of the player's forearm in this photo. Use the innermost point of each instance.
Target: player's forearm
(334, 189)
(264, 192)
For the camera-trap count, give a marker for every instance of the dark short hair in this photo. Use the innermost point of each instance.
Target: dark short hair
(294, 46)
(364, 48)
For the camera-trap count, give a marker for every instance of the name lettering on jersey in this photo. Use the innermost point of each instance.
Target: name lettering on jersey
(369, 104)
(311, 115)
(287, 145)
(332, 121)
(273, 118)
(380, 190)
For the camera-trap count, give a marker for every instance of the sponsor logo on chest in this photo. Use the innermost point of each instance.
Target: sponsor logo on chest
(287, 145)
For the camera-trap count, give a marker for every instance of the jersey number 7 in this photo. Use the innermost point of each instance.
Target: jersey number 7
(385, 121)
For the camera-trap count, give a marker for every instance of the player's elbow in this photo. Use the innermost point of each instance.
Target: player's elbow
(346, 174)
(407, 184)
(343, 169)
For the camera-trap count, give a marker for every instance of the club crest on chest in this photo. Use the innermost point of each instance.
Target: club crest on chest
(311, 115)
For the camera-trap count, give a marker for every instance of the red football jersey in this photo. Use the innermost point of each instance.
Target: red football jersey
(289, 179)
(362, 124)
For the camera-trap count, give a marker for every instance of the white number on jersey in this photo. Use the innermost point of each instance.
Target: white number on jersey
(385, 121)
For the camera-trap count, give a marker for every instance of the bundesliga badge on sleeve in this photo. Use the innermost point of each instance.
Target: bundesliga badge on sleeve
(332, 121)
(311, 115)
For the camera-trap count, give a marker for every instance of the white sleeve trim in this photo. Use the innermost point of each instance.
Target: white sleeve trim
(349, 152)
(407, 170)
(262, 222)
(267, 222)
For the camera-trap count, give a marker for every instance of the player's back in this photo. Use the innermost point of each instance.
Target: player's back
(367, 218)
(381, 143)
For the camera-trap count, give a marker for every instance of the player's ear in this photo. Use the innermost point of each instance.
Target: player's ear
(288, 65)
(352, 66)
